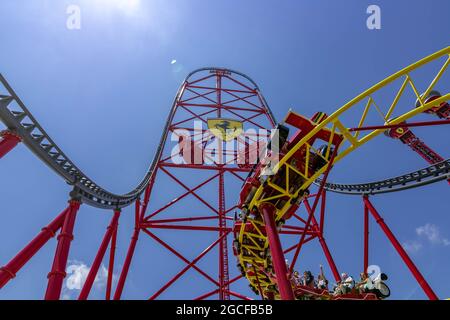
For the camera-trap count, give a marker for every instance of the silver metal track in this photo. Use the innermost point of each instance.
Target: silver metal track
(19, 119)
(434, 173)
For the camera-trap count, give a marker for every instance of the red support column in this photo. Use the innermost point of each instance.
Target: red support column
(9, 271)
(409, 263)
(366, 238)
(139, 212)
(8, 142)
(99, 257)
(224, 277)
(112, 253)
(126, 266)
(322, 210)
(329, 257)
(65, 237)
(279, 264)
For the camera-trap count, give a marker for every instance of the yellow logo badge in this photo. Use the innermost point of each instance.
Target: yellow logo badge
(225, 129)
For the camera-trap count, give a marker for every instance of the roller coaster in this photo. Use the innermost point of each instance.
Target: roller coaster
(283, 174)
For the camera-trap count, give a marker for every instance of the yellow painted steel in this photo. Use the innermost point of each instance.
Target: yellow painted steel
(354, 141)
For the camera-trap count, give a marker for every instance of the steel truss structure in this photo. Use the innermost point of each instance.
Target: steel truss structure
(192, 159)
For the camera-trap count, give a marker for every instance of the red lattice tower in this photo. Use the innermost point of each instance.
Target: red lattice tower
(206, 94)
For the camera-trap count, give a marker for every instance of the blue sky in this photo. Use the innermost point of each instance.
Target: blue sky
(103, 93)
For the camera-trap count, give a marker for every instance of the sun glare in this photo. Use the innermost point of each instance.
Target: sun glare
(126, 6)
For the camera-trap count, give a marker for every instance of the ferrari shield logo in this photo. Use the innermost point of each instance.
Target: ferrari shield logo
(225, 129)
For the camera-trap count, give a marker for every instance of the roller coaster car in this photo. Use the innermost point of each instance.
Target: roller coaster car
(313, 159)
(307, 293)
(379, 291)
(442, 108)
(398, 132)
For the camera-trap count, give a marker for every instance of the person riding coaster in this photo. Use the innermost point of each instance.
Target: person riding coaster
(306, 159)
(376, 286)
(251, 246)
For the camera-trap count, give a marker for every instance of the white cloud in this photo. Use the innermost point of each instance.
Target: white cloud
(77, 272)
(412, 246)
(426, 233)
(432, 234)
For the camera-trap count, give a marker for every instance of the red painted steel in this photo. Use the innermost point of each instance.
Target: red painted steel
(112, 253)
(313, 209)
(99, 257)
(399, 248)
(401, 125)
(65, 237)
(130, 252)
(366, 238)
(322, 242)
(191, 264)
(224, 289)
(216, 94)
(268, 211)
(402, 132)
(10, 270)
(8, 142)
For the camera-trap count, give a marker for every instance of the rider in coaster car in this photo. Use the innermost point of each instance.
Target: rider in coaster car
(308, 279)
(346, 284)
(296, 279)
(364, 284)
(322, 282)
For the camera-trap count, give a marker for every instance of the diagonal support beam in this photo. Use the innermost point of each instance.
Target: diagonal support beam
(313, 209)
(99, 257)
(8, 142)
(399, 248)
(190, 265)
(180, 256)
(323, 243)
(10, 270)
(190, 191)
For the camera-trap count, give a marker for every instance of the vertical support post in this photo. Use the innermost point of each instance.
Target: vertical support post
(65, 237)
(134, 239)
(279, 264)
(112, 254)
(409, 263)
(366, 238)
(99, 257)
(219, 94)
(9, 271)
(8, 142)
(223, 249)
(322, 210)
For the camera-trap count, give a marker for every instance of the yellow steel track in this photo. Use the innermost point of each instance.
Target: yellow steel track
(251, 255)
